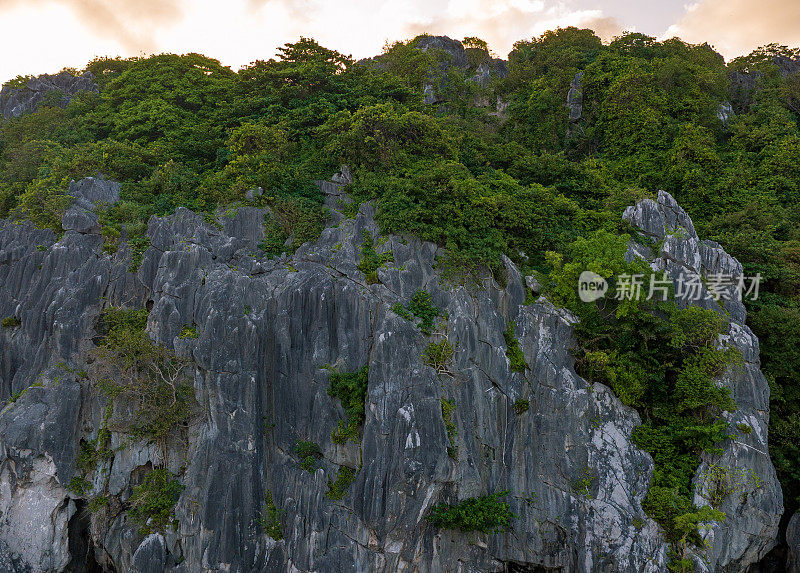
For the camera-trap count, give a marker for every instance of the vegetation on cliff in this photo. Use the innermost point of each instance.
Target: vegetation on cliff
(524, 181)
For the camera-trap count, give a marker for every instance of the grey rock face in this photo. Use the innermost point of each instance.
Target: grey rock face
(533, 284)
(251, 194)
(743, 85)
(725, 112)
(16, 101)
(89, 193)
(754, 511)
(483, 74)
(429, 95)
(500, 108)
(267, 331)
(80, 220)
(344, 177)
(37, 509)
(788, 66)
(575, 98)
(793, 544)
(488, 70)
(452, 47)
(151, 555)
(575, 105)
(484, 68)
(336, 197)
(36, 460)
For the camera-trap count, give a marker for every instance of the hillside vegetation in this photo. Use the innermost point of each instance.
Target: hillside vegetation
(524, 181)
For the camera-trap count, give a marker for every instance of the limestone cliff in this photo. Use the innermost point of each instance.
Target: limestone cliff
(267, 330)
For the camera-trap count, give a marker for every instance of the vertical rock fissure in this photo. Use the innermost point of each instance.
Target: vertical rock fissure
(81, 547)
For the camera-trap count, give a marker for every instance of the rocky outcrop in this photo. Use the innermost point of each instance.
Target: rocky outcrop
(575, 105)
(88, 194)
(151, 555)
(743, 84)
(755, 503)
(39, 432)
(267, 332)
(56, 90)
(575, 98)
(452, 47)
(481, 68)
(725, 112)
(489, 70)
(788, 66)
(793, 544)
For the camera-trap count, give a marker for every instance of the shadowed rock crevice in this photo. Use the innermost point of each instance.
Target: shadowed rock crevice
(81, 548)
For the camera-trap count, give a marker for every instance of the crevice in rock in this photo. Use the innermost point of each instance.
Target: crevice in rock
(8, 369)
(773, 562)
(81, 547)
(516, 567)
(777, 560)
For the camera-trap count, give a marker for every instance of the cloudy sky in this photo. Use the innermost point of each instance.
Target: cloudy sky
(38, 36)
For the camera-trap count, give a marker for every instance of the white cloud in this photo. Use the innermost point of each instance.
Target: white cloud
(129, 22)
(42, 39)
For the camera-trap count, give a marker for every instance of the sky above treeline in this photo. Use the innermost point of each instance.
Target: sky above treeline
(40, 36)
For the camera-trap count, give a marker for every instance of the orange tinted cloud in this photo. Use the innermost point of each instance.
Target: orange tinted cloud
(501, 23)
(606, 28)
(736, 27)
(131, 22)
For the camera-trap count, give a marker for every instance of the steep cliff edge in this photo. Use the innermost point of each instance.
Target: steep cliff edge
(266, 336)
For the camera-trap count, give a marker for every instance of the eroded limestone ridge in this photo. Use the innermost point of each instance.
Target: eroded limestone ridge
(263, 339)
(56, 89)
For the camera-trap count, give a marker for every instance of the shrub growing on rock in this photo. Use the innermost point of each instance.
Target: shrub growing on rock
(351, 389)
(130, 366)
(420, 306)
(486, 514)
(153, 500)
(309, 454)
(270, 519)
(189, 331)
(371, 261)
(10, 322)
(658, 358)
(337, 488)
(438, 355)
(448, 407)
(513, 351)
